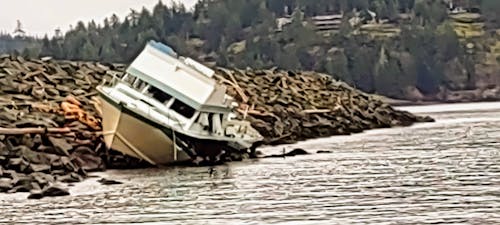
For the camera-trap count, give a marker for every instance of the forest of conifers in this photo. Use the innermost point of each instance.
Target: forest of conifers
(379, 46)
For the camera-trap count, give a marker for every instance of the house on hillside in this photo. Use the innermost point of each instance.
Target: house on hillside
(463, 6)
(327, 22)
(322, 23)
(282, 22)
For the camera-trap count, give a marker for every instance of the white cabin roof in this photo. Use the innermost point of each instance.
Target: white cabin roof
(184, 79)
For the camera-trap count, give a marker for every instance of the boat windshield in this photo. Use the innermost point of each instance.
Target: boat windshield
(183, 109)
(158, 94)
(178, 106)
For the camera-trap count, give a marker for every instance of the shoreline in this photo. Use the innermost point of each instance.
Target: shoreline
(405, 103)
(52, 124)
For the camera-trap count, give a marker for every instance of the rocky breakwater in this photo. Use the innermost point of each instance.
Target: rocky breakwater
(288, 106)
(49, 124)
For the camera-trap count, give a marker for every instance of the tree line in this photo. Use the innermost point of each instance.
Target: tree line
(242, 33)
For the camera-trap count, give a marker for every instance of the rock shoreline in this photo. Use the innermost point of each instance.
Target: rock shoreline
(287, 106)
(50, 124)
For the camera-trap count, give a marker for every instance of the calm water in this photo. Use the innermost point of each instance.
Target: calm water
(445, 172)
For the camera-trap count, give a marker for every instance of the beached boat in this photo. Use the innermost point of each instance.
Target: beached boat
(168, 108)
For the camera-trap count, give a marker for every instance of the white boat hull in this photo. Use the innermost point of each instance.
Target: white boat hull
(135, 137)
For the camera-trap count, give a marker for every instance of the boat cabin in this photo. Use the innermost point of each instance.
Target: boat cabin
(175, 90)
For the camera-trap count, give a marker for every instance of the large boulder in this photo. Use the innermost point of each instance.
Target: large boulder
(24, 183)
(70, 178)
(55, 190)
(52, 190)
(39, 168)
(18, 164)
(42, 178)
(35, 194)
(61, 146)
(63, 164)
(37, 157)
(87, 159)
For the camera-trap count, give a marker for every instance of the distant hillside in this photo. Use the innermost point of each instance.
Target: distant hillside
(413, 49)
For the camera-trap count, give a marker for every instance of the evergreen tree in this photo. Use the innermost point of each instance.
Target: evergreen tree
(89, 51)
(337, 65)
(418, 56)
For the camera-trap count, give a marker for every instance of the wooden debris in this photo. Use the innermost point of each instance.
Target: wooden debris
(37, 130)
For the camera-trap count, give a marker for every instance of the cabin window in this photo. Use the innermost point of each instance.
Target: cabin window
(158, 94)
(139, 84)
(183, 109)
(129, 79)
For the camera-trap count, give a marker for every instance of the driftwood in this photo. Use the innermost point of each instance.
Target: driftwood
(313, 111)
(18, 131)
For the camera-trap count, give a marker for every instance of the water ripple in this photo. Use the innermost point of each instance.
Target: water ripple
(447, 172)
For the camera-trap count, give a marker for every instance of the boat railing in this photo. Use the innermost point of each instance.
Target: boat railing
(150, 108)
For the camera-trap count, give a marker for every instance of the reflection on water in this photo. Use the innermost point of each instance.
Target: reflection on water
(446, 172)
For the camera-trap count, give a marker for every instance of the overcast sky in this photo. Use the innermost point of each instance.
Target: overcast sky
(40, 17)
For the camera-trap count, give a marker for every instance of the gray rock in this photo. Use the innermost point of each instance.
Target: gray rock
(39, 167)
(15, 161)
(61, 146)
(37, 140)
(52, 91)
(35, 194)
(24, 180)
(5, 184)
(297, 151)
(82, 172)
(42, 178)
(9, 174)
(86, 159)
(46, 149)
(58, 172)
(56, 165)
(323, 152)
(22, 184)
(54, 190)
(105, 181)
(68, 165)
(37, 157)
(18, 164)
(35, 186)
(27, 141)
(69, 178)
(3, 149)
